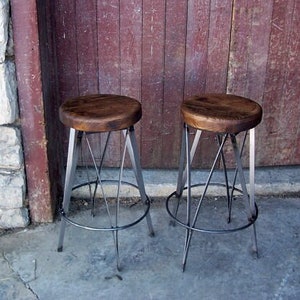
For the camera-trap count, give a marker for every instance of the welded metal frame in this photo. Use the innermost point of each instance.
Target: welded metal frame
(184, 183)
(130, 145)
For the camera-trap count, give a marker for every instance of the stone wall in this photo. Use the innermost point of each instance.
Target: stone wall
(13, 211)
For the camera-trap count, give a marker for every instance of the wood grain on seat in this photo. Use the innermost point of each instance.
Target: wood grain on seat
(100, 113)
(221, 113)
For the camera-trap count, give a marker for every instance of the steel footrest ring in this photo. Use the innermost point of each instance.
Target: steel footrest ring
(209, 230)
(112, 228)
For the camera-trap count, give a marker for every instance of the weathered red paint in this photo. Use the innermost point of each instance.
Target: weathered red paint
(26, 39)
(174, 73)
(109, 61)
(87, 56)
(152, 81)
(163, 51)
(159, 52)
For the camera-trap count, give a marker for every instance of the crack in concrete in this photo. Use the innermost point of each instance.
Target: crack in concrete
(19, 277)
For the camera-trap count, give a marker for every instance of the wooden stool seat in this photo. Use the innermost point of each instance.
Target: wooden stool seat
(226, 116)
(104, 116)
(100, 113)
(221, 113)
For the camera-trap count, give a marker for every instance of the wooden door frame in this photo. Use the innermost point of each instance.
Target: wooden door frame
(36, 90)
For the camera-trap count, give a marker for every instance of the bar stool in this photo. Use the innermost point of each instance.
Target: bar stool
(226, 116)
(102, 114)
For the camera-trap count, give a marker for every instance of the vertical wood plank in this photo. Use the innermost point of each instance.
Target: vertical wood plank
(131, 52)
(86, 45)
(288, 111)
(152, 81)
(197, 46)
(66, 50)
(276, 115)
(175, 40)
(218, 42)
(87, 57)
(249, 53)
(131, 47)
(249, 48)
(218, 45)
(198, 24)
(258, 49)
(108, 17)
(292, 88)
(54, 128)
(238, 66)
(67, 72)
(108, 45)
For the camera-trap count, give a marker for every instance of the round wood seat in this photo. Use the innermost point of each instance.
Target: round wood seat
(100, 113)
(221, 113)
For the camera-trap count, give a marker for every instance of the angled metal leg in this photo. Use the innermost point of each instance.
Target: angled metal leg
(135, 161)
(99, 183)
(180, 185)
(229, 197)
(249, 200)
(116, 233)
(234, 178)
(74, 144)
(181, 179)
(192, 225)
(182, 173)
(252, 183)
(188, 231)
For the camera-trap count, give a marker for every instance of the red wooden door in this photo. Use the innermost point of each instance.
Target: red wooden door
(160, 52)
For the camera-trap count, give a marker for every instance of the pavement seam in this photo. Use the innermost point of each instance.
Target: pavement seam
(25, 283)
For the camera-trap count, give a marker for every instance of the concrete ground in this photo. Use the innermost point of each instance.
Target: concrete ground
(218, 266)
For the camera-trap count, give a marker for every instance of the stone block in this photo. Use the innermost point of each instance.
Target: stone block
(8, 93)
(4, 20)
(11, 156)
(14, 218)
(12, 190)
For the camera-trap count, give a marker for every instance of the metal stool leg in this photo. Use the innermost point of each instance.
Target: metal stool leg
(182, 173)
(192, 225)
(116, 233)
(235, 177)
(181, 179)
(99, 183)
(252, 184)
(135, 161)
(74, 143)
(188, 232)
(249, 199)
(228, 195)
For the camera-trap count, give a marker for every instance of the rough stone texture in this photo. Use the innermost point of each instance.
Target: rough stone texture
(12, 179)
(12, 218)
(10, 148)
(8, 93)
(12, 190)
(4, 19)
